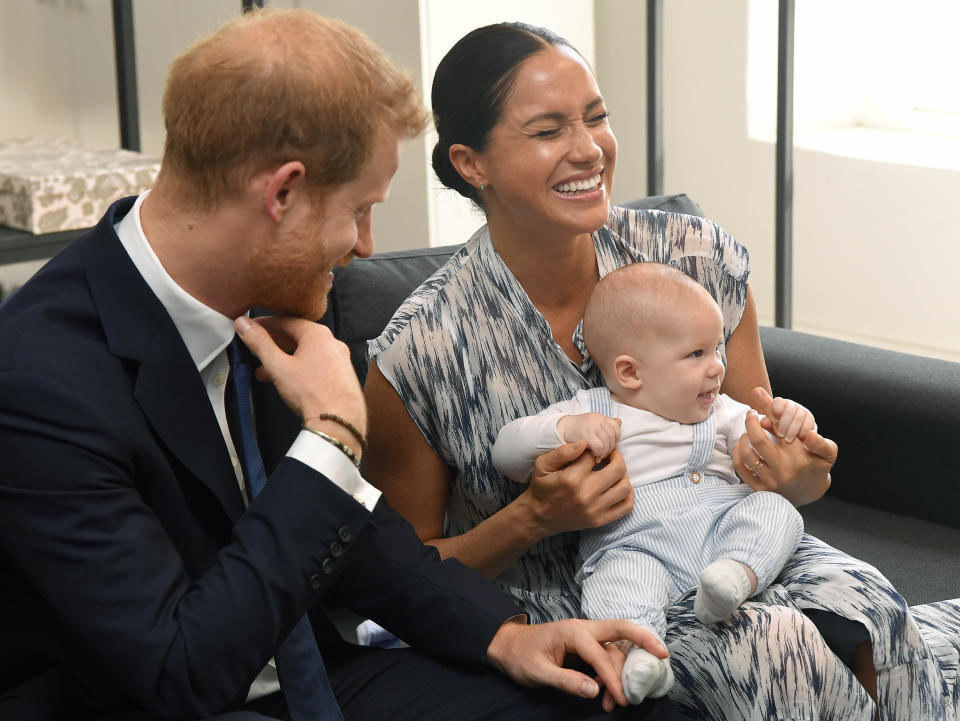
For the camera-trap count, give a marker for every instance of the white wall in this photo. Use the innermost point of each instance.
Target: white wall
(621, 68)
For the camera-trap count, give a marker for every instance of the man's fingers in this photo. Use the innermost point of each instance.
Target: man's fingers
(602, 661)
(573, 682)
(589, 649)
(287, 331)
(256, 337)
(617, 657)
(614, 697)
(618, 628)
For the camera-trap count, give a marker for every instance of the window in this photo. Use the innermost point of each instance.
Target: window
(878, 80)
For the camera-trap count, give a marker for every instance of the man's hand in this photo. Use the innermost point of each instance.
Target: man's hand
(617, 658)
(534, 655)
(310, 369)
(599, 431)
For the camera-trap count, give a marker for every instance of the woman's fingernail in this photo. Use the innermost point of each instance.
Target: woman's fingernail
(589, 689)
(242, 324)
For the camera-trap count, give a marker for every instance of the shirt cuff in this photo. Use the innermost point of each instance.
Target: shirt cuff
(326, 459)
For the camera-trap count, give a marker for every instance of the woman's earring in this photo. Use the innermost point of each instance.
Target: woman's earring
(481, 186)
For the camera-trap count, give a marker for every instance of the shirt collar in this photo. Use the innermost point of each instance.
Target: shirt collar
(205, 332)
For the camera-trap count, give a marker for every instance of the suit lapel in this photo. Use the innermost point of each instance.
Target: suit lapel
(167, 386)
(184, 419)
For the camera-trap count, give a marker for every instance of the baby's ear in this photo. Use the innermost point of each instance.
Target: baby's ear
(627, 372)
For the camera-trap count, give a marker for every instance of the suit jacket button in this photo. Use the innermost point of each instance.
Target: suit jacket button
(336, 550)
(316, 582)
(344, 533)
(327, 565)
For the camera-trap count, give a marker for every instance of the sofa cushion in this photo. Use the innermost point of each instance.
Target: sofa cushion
(895, 417)
(366, 293)
(919, 557)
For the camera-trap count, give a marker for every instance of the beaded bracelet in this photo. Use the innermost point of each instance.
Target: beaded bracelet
(339, 445)
(362, 439)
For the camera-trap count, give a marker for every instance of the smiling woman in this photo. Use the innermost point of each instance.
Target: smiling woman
(549, 163)
(496, 334)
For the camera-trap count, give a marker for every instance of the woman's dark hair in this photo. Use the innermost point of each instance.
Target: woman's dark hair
(471, 85)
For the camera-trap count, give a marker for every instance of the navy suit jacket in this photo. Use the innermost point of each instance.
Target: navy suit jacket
(131, 575)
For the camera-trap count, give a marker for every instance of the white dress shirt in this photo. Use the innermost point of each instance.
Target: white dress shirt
(207, 333)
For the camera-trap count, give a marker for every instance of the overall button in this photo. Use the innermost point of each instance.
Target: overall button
(344, 534)
(327, 565)
(336, 550)
(695, 476)
(316, 582)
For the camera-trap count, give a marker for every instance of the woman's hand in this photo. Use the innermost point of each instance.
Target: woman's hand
(416, 483)
(798, 470)
(567, 494)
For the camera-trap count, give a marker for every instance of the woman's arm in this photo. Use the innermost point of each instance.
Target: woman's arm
(800, 470)
(746, 368)
(564, 492)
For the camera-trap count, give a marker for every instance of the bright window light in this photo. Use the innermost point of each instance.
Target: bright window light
(873, 65)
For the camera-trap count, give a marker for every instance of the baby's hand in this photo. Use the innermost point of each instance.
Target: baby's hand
(599, 431)
(790, 420)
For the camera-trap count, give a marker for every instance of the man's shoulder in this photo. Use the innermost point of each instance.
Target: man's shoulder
(56, 290)
(51, 329)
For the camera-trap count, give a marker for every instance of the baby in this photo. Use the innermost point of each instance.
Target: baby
(657, 337)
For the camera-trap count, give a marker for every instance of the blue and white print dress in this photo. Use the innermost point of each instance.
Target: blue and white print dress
(468, 352)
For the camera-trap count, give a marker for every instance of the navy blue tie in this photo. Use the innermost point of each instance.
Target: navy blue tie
(303, 678)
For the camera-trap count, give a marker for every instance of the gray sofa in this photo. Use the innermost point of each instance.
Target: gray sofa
(895, 498)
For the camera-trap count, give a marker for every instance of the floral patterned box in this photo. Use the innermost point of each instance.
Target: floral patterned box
(50, 185)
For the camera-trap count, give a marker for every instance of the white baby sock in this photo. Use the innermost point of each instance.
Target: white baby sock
(724, 585)
(645, 676)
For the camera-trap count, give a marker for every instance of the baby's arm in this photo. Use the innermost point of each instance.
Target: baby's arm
(522, 441)
(599, 431)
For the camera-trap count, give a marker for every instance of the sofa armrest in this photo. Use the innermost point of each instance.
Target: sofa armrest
(894, 416)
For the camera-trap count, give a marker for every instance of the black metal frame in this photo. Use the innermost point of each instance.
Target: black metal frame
(126, 62)
(654, 97)
(783, 271)
(783, 263)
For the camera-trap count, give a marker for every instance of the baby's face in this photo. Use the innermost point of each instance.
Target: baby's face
(680, 364)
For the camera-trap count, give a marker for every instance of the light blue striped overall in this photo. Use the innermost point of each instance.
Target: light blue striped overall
(639, 566)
